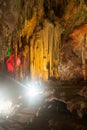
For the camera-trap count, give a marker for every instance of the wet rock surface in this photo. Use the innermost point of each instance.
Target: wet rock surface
(64, 107)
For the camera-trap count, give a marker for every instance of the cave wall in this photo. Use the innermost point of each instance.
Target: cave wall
(53, 33)
(53, 53)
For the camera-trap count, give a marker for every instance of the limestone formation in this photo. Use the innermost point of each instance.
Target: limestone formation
(54, 32)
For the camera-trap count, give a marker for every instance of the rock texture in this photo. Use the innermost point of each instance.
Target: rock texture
(54, 33)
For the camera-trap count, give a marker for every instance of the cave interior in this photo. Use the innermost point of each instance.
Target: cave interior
(47, 40)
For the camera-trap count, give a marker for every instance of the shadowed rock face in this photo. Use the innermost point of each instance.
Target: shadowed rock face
(57, 6)
(8, 13)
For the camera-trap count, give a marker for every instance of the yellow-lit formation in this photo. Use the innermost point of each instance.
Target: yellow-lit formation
(43, 50)
(45, 39)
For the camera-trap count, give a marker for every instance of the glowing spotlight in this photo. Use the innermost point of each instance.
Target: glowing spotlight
(33, 92)
(5, 107)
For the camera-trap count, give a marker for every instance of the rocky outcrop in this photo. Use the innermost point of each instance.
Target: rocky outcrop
(71, 95)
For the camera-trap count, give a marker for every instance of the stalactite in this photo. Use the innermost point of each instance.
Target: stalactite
(48, 23)
(29, 27)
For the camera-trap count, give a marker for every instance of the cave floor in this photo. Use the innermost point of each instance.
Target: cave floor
(63, 107)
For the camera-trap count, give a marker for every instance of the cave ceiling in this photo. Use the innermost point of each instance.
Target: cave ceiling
(8, 14)
(69, 14)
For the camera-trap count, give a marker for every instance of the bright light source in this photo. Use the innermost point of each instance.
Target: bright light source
(34, 90)
(5, 107)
